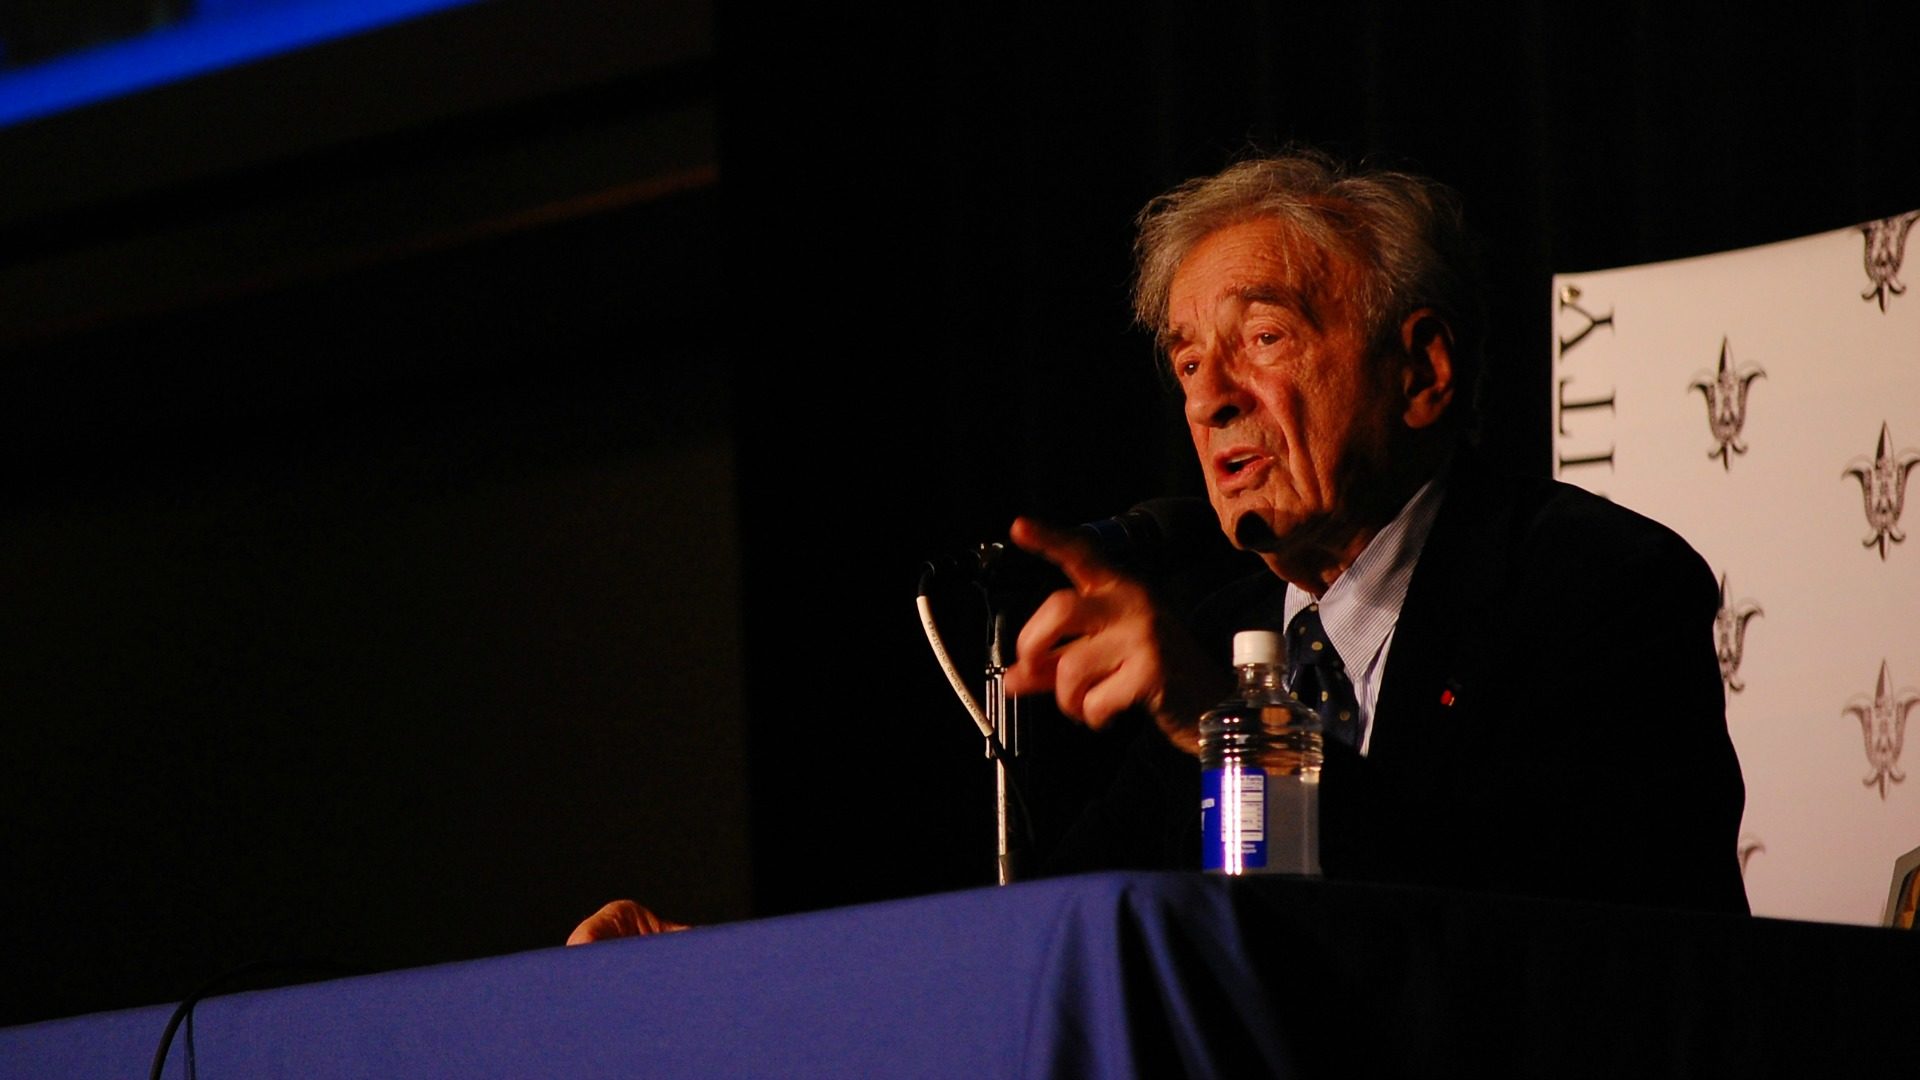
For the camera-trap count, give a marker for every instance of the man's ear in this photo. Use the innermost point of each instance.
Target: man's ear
(1426, 373)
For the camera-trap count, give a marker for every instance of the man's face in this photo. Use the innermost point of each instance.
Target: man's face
(1291, 418)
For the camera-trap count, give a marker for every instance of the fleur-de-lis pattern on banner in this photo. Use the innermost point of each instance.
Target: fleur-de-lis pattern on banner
(1886, 243)
(1883, 487)
(1726, 392)
(1883, 726)
(1730, 635)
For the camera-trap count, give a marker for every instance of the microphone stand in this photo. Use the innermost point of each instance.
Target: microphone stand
(1003, 745)
(998, 719)
(1003, 712)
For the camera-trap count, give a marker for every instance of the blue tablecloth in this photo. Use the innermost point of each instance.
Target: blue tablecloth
(1107, 975)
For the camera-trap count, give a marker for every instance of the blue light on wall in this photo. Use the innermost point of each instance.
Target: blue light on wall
(218, 34)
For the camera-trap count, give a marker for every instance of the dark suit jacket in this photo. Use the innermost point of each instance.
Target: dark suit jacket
(1551, 720)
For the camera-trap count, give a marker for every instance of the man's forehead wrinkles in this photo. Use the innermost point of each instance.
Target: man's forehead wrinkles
(1230, 306)
(1294, 299)
(1268, 293)
(1294, 277)
(1270, 271)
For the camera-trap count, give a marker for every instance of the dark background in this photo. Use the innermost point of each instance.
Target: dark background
(457, 478)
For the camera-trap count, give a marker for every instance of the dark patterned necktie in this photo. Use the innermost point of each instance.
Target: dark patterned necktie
(1318, 679)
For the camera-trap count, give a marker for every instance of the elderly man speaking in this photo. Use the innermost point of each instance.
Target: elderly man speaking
(1530, 700)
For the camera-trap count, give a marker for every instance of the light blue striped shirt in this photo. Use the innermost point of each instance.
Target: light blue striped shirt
(1362, 606)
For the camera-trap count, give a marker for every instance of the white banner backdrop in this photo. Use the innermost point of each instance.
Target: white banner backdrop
(1766, 404)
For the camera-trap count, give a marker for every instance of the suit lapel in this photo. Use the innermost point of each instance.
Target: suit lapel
(1437, 657)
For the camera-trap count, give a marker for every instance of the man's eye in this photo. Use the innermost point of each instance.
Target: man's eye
(1267, 337)
(1184, 368)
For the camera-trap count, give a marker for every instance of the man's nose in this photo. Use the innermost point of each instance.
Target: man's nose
(1214, 395)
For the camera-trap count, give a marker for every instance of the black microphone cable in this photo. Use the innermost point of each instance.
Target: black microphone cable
(183, 1013)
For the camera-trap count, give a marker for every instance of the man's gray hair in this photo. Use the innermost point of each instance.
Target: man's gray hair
(1404, 233)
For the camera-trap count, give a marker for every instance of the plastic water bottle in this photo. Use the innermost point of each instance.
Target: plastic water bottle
(1260, 758)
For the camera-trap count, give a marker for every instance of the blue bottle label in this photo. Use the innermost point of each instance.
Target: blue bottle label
(1233, 819)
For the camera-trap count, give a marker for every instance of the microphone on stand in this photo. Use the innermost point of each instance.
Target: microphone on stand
(1156, 532)
(1173, 544)
(1172, 536)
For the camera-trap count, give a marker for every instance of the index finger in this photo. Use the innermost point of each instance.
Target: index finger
(1073, 553)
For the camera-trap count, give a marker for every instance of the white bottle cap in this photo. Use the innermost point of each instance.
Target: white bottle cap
(1256, 647)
